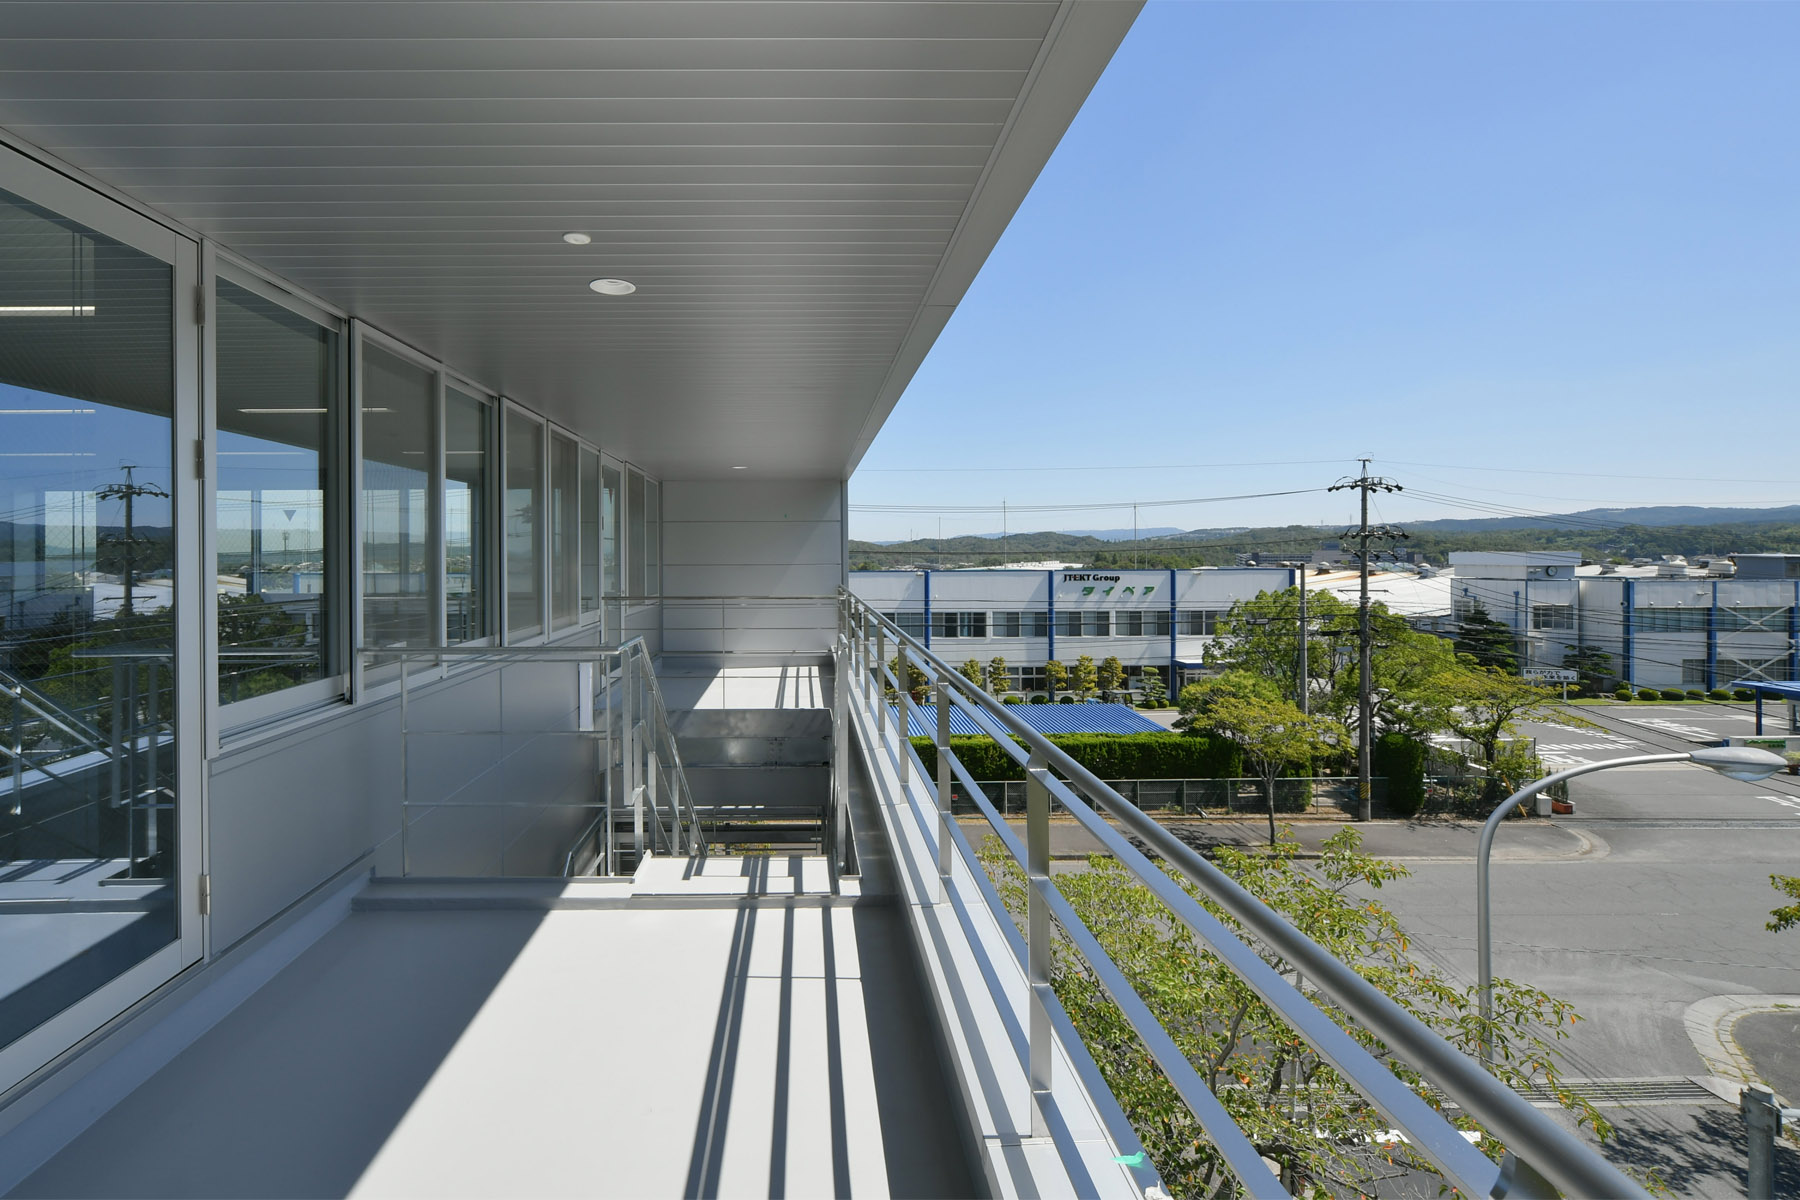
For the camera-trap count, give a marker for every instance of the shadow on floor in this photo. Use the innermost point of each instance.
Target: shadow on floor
(295, 1091)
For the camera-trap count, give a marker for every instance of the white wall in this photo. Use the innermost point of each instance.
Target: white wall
(780, 542)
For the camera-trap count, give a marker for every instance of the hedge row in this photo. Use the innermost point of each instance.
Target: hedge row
(1108, 755)
(1401, 761)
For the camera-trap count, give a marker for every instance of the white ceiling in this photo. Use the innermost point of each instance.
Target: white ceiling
(800, 191)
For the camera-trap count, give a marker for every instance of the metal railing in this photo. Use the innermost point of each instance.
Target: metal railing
(635, 771)
(1541, 1155)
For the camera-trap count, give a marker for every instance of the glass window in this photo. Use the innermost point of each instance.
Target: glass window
(1553, 616)
(1006, 624)
(468, 431)
(590, 532)
(87, 603)
(1130, 624)
(1669, 620)
(1157, 623)
(912, 624)
(1745, 619)
(612, 577)
(960, 624)
(397, 403)
(634, 546)
(524, 525)
(278, 411)
(1068, 623)
(565, 531)
(652, 538)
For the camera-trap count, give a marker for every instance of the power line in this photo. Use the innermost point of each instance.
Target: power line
(1093, 507)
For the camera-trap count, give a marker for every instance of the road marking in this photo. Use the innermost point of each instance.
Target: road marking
(1664, 725)
(1784, 801)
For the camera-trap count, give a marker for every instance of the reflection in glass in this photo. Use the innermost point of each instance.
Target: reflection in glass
(634, 547)
(278, 407)
(652, 538)
(87, 596)
(590, 532)
(612, 582)
(524, 522)
(397, 399)
(565, 525)
(467, 422)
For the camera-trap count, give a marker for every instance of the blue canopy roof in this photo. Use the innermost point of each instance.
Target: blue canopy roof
(1045, 718)
(1770, 687)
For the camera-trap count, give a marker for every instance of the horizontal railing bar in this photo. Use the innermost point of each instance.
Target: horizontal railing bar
(1557, 1154)
(1017, 1037)
(1238, 1151)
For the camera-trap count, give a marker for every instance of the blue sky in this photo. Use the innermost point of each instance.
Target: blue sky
(1552, 250)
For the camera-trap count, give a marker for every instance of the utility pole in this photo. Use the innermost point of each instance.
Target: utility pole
(1364, 534)
(1305, 697)
(128, 491)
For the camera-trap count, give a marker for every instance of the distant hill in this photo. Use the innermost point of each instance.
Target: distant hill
(1652, 517)
(1596, 533)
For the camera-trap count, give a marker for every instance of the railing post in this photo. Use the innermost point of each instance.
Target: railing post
(880, 687)
(1762, 1121)
(1037, 931)
(837, 827)
(946, 844)
(871, 684)
(628, 752)
(650, 798)
(903, 730)
(405, 774)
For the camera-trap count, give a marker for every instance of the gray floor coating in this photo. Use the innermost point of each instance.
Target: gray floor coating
(768, 1050)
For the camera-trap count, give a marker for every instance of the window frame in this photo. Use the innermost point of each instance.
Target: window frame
(228, 722)
(492, 480)
(363, 335)
(509, 406)
(191, 466)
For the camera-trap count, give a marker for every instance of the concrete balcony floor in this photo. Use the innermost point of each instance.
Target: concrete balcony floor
(739, 1031)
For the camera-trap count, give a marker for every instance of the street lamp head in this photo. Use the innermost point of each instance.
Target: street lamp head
(1740, 762)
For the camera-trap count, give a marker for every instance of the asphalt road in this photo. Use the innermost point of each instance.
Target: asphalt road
(1664, 909)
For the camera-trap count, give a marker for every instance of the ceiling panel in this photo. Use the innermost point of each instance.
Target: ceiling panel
(800, 191)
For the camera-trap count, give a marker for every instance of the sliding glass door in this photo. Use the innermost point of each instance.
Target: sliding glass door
(99, 653)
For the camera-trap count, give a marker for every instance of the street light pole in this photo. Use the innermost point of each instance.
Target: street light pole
(1738, 762)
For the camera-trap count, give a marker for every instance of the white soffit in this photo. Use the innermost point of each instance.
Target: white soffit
(801, 192)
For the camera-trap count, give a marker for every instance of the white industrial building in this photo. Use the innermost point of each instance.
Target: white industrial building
(1664, 625)
(1158, 619)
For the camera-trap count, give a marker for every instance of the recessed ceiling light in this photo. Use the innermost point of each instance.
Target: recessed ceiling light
(613, 287)
(577, 239)
(740, 468)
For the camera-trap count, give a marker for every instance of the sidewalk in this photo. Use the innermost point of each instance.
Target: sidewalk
(1535, 840)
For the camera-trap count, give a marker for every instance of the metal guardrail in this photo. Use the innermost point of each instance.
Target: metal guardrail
(1540, 1156)
(621, 709)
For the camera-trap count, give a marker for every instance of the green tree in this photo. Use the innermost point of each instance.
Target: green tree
(1085, 677)
(971, 671)
(1592, 664)
(1056, 677)
(1111, 677)
(999, 682)
(1788, 915)
(1156, 692)
(1295, 1108)
(1485, 704)
(1275, 736)
(918, 684)
(1197, 699)
(1487, 642)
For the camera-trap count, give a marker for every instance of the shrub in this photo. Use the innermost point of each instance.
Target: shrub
(1673, 694)
(1623, 693)
(1743, 693)
(1108, 755)
(1040, 698)
(1649, 694)
(1694, 694)
(1718, 694)
(1009, 698)
(1401, 761)
(1065, 699)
